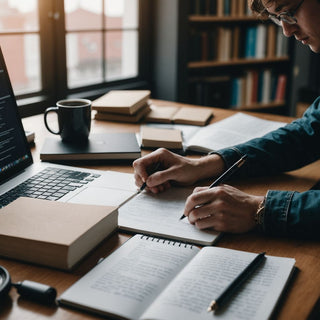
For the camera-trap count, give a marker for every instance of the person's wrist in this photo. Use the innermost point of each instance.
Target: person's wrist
(259, 213)
(210, 166)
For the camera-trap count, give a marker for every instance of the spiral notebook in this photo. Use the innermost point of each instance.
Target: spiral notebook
(153, 278)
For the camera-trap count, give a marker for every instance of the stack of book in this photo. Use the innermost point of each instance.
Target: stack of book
(122, 105)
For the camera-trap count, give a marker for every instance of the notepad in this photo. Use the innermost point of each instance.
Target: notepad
(159, 215)
(153, 278)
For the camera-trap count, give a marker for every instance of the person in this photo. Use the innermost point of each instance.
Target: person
(228, 209)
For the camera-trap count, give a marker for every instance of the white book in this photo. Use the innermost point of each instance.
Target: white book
(261, 41)
(228, 132)
(152, 278)
(266, 86)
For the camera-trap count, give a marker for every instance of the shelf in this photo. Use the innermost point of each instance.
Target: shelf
(208, 18)
(236, 62)
(259, 106)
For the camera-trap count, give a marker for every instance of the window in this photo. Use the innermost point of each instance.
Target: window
(55, 48)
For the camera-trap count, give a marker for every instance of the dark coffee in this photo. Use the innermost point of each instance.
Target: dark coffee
(74, 119)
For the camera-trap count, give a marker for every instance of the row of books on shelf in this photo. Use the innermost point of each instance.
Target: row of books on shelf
(227, 43)
(219, 7)
(255, 87)
(251, 88)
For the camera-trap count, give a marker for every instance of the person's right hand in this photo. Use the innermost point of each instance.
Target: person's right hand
(174, 169)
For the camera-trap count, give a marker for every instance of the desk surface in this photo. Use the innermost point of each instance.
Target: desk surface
(298, 301)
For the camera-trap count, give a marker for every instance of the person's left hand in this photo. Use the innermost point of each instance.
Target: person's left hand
(223, 208)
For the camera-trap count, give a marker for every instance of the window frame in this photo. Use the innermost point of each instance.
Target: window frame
(53, 61)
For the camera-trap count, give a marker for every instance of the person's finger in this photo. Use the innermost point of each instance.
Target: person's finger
(200, 212)
(197, 199)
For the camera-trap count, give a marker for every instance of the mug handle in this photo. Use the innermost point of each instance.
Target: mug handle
(51, 109)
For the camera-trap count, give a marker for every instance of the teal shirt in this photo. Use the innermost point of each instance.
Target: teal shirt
(290, 147)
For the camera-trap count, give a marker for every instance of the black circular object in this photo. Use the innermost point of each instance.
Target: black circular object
(5, 283)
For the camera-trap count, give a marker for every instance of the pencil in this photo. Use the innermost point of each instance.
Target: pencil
(156, 168)
(229, 172)
(235, 284)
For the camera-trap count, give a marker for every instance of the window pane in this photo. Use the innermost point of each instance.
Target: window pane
(83, 14)
(121, 14)
(84, 58)
(19, 15)
(22, 56)
(121, 55)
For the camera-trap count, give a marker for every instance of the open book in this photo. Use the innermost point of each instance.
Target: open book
(151, 278)
(228, 132)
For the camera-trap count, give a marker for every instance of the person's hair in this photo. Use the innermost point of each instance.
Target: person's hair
(257, 7)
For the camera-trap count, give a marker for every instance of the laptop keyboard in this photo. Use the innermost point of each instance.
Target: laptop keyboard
(50, 184)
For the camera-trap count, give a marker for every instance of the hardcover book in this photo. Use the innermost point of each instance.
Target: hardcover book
(122, 101)
(52, 233)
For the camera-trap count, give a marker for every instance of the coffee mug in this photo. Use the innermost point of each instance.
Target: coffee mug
(74, 119)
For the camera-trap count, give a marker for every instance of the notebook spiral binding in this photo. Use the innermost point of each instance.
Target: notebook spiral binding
(168, 241)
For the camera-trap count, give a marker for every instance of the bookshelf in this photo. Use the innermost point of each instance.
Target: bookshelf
(203, 57)
(234, 59)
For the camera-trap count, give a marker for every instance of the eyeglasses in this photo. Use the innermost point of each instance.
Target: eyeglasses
(286, 16)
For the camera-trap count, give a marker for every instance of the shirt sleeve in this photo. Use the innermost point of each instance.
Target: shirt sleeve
(289, 213)
(287, 148)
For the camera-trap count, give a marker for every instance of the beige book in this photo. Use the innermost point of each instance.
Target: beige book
(271, 40)
(234, 7)
(122, 101)
(220, 8)
(158, 137)
(242, 7)
(183, 115)
(132, 118)
(55, 234)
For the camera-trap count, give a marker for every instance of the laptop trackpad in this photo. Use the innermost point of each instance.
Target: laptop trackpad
(101, 196)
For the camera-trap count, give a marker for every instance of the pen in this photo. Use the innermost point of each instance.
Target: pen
(226, 174)
(235, 284)
(156, 168)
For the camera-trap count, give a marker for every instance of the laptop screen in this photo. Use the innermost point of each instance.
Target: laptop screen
(14, 150)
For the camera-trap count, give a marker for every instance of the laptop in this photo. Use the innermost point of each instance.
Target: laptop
(21, 176)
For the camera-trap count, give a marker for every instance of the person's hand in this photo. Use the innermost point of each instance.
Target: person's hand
(223, 208)
(174, 169)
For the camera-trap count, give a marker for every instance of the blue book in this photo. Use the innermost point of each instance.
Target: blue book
(234, 92)
(227, 7)
(250, 48)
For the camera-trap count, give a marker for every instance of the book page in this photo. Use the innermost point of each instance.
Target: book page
(159, 214)
(209, 273)
(128, 280)
(233, 130)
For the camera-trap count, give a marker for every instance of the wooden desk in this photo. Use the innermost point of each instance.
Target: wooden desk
(297, 303)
